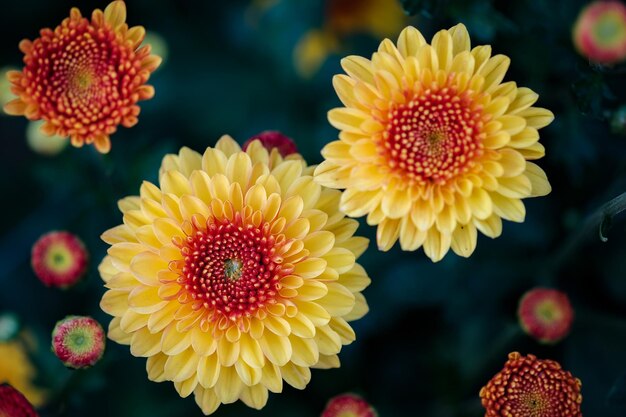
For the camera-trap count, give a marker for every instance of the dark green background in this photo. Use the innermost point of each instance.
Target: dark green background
(436, 332)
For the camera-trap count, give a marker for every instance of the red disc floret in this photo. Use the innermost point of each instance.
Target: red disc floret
(434, 136)
(230, 267)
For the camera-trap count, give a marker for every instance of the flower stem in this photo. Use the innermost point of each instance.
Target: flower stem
(600, 220)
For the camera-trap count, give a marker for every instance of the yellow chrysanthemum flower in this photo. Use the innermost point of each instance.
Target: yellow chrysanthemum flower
(17, 369)
(433, 147)
(237, 273)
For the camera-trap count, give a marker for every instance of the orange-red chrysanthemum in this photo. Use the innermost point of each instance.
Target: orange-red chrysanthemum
(531, 387)
(85, 77)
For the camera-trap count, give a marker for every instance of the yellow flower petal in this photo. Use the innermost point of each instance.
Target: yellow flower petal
(494, 70)
(227, 352)
(464, 240)
(460, 38)
(436, 244)
(115, 14)
(491, 226)
(537, 117)
(249, 376)
(480, 203)
(145, 300)
(255, 396)
(276, 349)
(538, 180)
(208, 371)
(173, 341)
(338, 301)
(186, 387)
(251, 351)
(182, 366)
(515, 187)
(443, 46)
(387, 233)
(296, 376)
(305, 351)
(145, 267)
(229, 385)
(227, 145)
(508, 208)
(358, 68)
(409, 41)
(207, 400)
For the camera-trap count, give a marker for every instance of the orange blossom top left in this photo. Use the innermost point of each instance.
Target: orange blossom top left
(85, 77)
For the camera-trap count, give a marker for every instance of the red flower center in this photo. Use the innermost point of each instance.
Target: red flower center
(534, 403)
(434, 136)
(232, 267)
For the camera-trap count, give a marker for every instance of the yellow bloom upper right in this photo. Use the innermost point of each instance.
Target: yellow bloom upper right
(433, 147)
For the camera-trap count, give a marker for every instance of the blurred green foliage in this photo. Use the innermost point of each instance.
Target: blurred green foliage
(436, 332)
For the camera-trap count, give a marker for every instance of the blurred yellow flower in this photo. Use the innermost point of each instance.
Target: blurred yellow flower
(43, 144)
(433, 146)
(237, 273)
(159, 45)
(379, 18)
(17, 370)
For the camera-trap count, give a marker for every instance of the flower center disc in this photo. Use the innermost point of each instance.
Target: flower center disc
(435, 136)
(231, 268)
(548, 312)
(79, 340)
(59, 258)
(534, 404)
(609, 29)
(83, 72)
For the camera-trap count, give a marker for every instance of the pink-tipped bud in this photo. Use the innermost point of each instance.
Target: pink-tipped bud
(14, 404)
(600, 32)
(78, 341)
(348, 405)
(59, 259)
(545, 314)
(274, 139)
